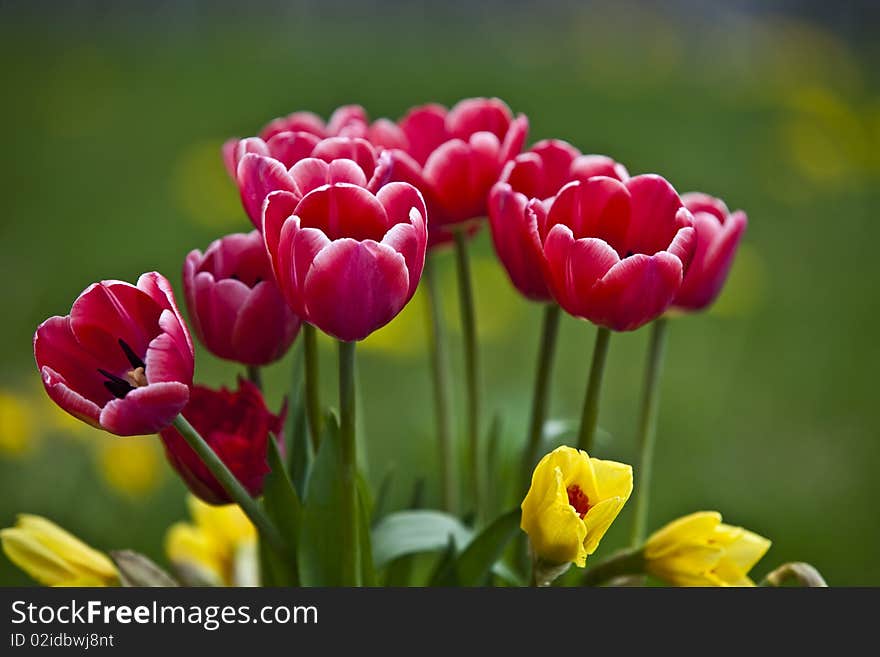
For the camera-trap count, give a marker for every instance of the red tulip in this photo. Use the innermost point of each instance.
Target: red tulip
(615, 252)
(122, 360)
(718, 235)
(236, 425)
(262, 169)
(234, 304)
(539, 173)
(346, 260)
(453, 157)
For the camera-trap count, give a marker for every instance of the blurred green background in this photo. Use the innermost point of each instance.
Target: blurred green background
(112, 123)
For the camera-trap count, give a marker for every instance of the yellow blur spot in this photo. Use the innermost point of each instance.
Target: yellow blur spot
(744, 291)
(17, 435)
(131, 466)
(405, 334)
(204, 191)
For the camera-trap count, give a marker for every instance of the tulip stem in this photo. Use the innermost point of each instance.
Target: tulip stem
(253, 375)
(648, 429)
(590, 415)
(472, 370)
(313, 399)
(229, 482)
(348, 463)
(625, 562)
(440, 373)
(549, 331)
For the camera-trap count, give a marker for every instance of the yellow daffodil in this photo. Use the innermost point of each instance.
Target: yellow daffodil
(217, 548)
(700, 550)
(571, 503)
(53, 556)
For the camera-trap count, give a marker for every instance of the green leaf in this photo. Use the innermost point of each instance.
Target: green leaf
(493, 464)
(382, 495)
(368, 570)
(321, 547)
(444, 570)
(472, 566)
(285, 509)
(411, 532)
(137, 570)
(400, 570)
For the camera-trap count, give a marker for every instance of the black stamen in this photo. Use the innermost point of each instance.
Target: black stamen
(259, 280)
(117, 386)
(133, 358)
(629, 253)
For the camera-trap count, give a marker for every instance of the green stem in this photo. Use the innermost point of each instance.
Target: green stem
(648, 429)
(625, 562)
(230, 484)
(348, 456)
(549, 331)
(472, 371)
(590, 415)
(253, 375)
(312, 376)
(440, 373)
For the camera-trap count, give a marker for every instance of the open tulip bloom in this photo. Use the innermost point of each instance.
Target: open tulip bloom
(122, 360)
(345, 212)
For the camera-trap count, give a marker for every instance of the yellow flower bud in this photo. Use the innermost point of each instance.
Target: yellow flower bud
(54, 557)
(571, 503)
(700, 550)
(218, 548)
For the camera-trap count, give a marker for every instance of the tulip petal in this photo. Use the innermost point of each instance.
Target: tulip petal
(343, 210)
(311, 173)
(145, 410)
(588, 166)
(264, 313)
(635, 291)
(257, 177)
(473, 115)
(574, 267)
(515, 139)
(655, 214)
(290, 147)
(354, 288)
(425, 130)
(598, 208)
(296, 122)
(357, 150)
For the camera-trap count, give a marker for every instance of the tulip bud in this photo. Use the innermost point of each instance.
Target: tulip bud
(699, 550)
(236, 425)
(235, 306)
(572, 501)
(53, 556)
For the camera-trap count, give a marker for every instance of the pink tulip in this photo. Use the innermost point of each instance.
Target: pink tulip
(296, 134)
(346, 260)
(455, 156)
(234, 304)
(122, 360)
(262, 170)
(615, 252)
(538, 173)
(237, 426)
(718, 236)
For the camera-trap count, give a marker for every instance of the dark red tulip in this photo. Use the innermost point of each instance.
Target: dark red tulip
(236, 425)
(234, 304)
(122, 360)
(454, 157)
(615, 252)
(538, 173)
(346, 260)
(718, 235)
(262, 170)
